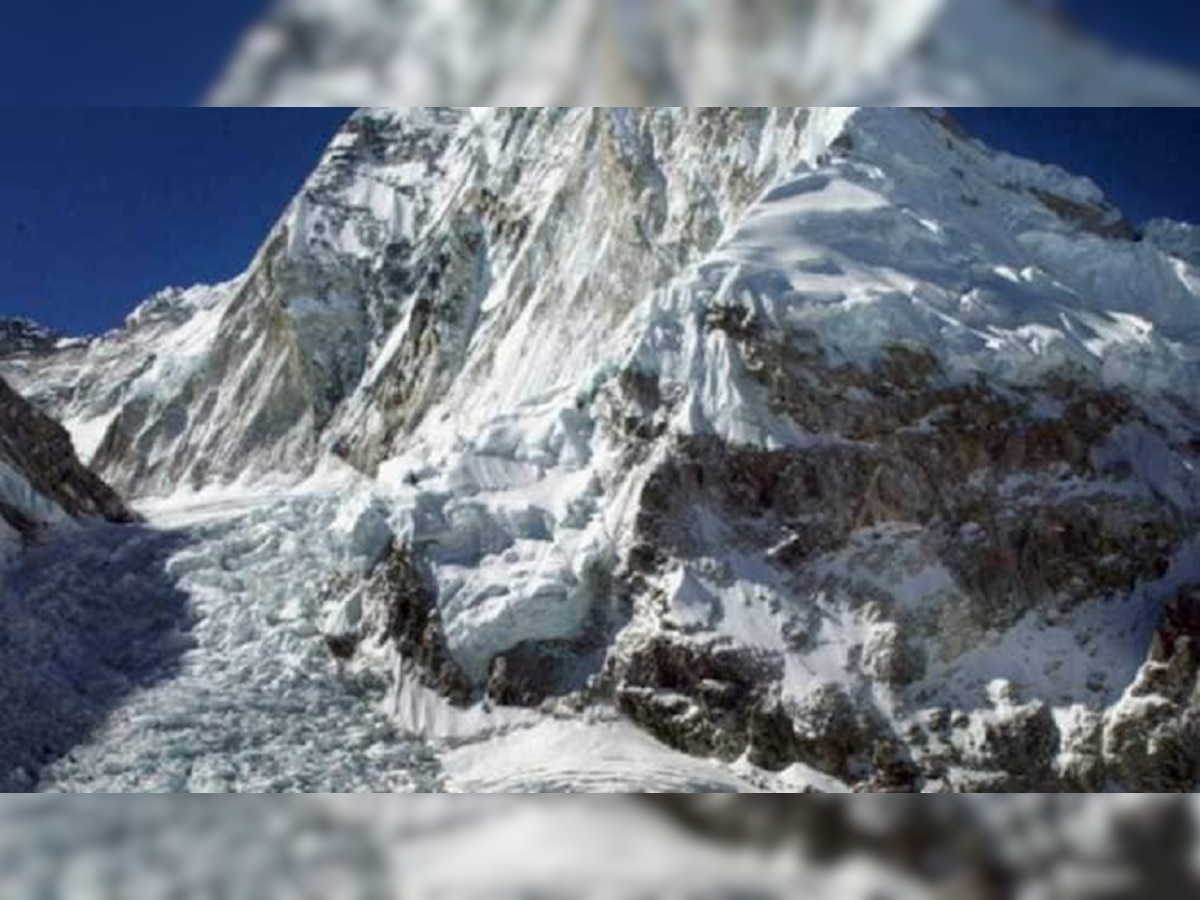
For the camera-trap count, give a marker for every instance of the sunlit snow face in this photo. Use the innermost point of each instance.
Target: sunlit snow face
(695, 52)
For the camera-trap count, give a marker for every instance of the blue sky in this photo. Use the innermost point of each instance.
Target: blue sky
(100, 208)
(117, 52)
(1143, 158)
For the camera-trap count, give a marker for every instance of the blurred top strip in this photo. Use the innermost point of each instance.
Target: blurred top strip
(692, 52)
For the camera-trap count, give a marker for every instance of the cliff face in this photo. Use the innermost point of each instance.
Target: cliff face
(817, 436)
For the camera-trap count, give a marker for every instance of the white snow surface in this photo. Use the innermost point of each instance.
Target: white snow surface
(193, 664)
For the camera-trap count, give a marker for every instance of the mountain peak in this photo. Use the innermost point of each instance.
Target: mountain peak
(22, 335)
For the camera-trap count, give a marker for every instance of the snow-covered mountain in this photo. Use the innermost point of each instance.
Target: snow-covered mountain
(825, 445)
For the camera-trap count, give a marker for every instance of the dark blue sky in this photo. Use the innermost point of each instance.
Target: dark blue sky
(1145, 159)
(117, 52)
(100, 208)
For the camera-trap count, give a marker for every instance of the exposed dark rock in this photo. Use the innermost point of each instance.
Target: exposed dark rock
(342, 646)
(893, 771)
(706, 699)
(532, 673)
(40, 449)
(891, 655)
(413, 623)
(1103, 221)
(1025, 510)
(397, 605)
(835, 733)
(1152, 737)
(1081, 762)
(25, 336)
(1019, 742)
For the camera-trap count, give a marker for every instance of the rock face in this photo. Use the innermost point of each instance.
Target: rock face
(395, 607)
(41, 480)
(816, 436)
(1151, 739)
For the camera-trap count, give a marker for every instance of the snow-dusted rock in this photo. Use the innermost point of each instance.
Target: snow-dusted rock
(1152, 735)
(42, 482)
(25, 336)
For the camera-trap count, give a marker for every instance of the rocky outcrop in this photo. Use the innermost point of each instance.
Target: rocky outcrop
(1151, 738)
(926, 517)
(25, 336)
(1102, 221)
(41, 479)
(395, 607)
(709, 700)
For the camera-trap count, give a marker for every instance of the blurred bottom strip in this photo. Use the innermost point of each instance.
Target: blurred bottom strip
(670, 845)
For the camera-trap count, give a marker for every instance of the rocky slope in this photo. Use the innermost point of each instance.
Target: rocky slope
(24, 335)
(42, 482)
(821, 439)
